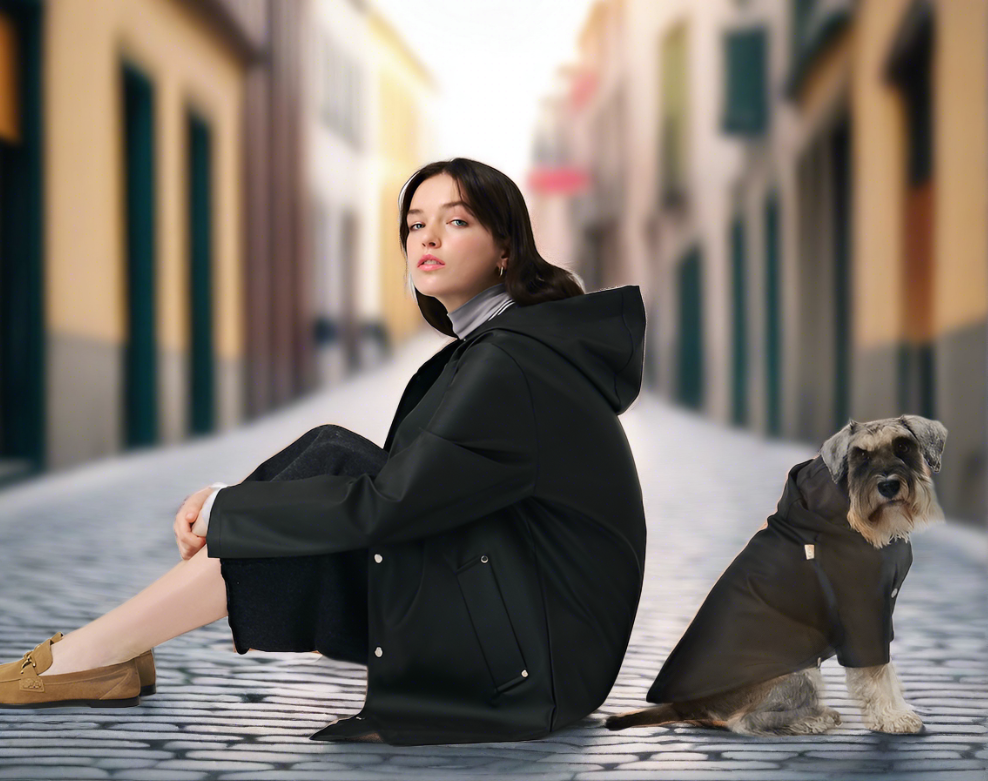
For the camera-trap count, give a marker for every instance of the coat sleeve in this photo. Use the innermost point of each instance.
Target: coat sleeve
(477, 454)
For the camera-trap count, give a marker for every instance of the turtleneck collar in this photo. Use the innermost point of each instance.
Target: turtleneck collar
(479, 309)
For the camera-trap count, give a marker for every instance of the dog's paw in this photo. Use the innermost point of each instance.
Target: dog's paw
(897, 722)
(827, 720)
(823, 721)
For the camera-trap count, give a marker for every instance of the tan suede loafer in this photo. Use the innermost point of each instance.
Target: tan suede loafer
(145, 668)
(23, 686)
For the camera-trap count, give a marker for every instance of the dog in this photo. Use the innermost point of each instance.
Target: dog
(819, 578)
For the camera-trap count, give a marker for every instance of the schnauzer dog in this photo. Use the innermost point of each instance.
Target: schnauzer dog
(819, 578)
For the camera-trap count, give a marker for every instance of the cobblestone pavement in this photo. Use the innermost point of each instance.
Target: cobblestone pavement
(75, 544)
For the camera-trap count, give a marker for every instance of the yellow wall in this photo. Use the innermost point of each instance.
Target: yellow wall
(85, 44)
(879, 171)
(9, 98)
(402, 86)
(960, 133)
(960, 169)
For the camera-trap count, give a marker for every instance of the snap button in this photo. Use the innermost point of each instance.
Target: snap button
(378, 652)
(378, 558)
(894, 592)
(524, 673)
(483, 559)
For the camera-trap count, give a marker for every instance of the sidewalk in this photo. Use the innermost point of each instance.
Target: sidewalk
(76, 544)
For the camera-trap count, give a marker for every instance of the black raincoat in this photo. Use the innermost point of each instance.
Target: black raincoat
(505, 533)
(782, 606)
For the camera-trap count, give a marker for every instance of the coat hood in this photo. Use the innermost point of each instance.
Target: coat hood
(818, 490)
(601, 333)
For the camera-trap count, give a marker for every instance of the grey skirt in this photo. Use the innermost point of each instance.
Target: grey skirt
(306, 603)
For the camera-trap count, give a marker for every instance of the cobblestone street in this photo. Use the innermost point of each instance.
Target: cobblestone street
(75, 544)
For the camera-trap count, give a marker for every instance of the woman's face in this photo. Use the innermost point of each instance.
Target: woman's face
(439, 224)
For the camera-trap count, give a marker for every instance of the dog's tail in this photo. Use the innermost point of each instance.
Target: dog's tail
(647, 717)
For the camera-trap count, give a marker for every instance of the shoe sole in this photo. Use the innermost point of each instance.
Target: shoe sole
(147, 691)
(124, 703)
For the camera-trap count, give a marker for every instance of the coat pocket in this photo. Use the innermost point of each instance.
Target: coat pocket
(491, 623)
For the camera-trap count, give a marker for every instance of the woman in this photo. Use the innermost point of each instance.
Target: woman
(486, 565)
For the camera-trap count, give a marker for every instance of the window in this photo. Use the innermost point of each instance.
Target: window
(746, 82)
(674, 130)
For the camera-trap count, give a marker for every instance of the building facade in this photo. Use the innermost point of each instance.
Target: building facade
(800, 188)
(147, 203)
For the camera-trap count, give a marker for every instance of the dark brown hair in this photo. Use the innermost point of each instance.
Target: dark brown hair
(499, 206)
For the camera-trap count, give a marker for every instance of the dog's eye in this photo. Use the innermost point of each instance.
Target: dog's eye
(901, 448)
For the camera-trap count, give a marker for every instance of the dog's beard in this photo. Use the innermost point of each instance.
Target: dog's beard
(880, 520)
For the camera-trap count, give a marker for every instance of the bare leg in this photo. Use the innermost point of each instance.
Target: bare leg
(190, 595)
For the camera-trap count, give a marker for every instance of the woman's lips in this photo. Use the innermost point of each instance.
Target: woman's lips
(429, 266)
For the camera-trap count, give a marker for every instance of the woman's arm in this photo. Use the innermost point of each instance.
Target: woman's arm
(478, 454)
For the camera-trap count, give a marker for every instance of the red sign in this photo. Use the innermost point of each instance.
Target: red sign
(582, 88)
(560, 180)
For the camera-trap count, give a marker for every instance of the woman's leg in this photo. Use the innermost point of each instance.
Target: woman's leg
(190, 595)
(306, 603)
(193, 593)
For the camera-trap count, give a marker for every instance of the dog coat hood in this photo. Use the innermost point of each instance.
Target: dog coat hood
(804, 588)
(505, 534)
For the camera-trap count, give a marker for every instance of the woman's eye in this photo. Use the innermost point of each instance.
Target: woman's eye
(412, 226)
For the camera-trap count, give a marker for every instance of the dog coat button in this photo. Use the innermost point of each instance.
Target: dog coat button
(378, 652)
(378, 558)
(524, 673)
(809, 550)
(894, 592)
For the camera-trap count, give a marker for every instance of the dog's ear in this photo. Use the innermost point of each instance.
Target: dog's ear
(931, 435)
(834, 450)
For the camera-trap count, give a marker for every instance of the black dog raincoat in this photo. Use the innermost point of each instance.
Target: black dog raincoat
(804, 588)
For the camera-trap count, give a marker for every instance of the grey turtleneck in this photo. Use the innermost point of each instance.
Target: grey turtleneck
(479, 309)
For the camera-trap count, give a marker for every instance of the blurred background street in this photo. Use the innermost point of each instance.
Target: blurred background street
(199, 202)
(200, 260)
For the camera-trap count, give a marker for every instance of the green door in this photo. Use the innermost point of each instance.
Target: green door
(841, 144)
(22, 421)
(739, 331)
(140, 360)
(690, 385)
(201, 414)
(773, 319)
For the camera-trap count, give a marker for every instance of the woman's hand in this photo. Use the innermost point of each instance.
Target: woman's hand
(189, 543)
(199, 527)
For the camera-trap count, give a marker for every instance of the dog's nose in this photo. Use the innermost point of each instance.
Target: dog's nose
(888, 488)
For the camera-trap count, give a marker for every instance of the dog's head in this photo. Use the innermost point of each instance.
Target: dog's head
(885, 466)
